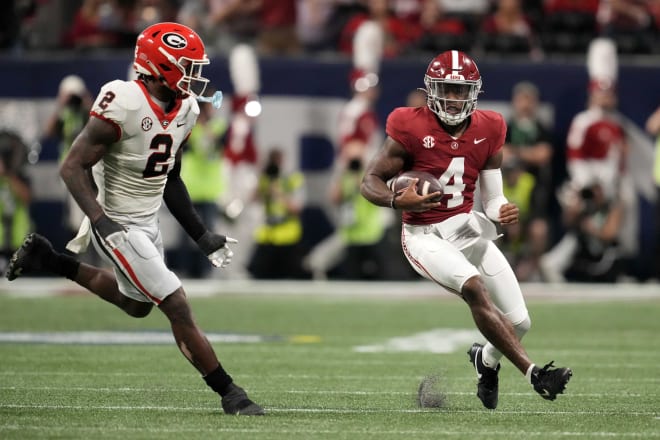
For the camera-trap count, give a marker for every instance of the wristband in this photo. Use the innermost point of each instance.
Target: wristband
(392, 200)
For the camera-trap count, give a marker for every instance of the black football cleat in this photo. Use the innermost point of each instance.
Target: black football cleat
(548, 383)
(236, 402)
(488, 385)
(31, 257)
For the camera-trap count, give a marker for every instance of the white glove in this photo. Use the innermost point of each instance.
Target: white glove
(222, 256)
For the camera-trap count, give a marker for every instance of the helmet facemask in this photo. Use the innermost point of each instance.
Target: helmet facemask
(192, 82)
(452, 100)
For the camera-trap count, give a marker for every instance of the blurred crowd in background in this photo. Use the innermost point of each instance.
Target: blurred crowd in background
(580, 226)
(530, 27)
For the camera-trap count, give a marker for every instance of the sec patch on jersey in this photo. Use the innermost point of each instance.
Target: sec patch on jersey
(426, 184)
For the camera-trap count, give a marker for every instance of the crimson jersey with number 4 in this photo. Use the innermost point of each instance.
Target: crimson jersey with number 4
(456, 162)
(134, 170)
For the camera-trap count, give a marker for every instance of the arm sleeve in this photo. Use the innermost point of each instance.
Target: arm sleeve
(178, 201)
(492, 194)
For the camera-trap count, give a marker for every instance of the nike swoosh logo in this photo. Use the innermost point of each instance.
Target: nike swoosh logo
(478, 141)
(477, 368)
(181, 124)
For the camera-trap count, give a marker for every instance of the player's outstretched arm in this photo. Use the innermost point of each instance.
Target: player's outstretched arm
(177, 199)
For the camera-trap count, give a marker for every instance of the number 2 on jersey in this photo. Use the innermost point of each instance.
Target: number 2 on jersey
(157, 162)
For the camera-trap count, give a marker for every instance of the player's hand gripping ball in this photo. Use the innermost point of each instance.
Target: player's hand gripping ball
(427, 183)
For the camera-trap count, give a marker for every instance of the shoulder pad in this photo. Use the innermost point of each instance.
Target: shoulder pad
(126, 93)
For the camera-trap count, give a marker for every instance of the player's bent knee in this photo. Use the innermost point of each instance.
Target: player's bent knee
(137, 309)
(473, 290)
(522, 327)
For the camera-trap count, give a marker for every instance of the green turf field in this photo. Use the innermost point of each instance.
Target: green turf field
(296, 355)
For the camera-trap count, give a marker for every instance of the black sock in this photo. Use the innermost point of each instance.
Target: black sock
(218, 380)
(64, 265)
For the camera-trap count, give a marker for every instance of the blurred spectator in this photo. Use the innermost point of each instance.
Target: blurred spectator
(557, 6)
(471, 12)
(468, 7)
(399, 34)
(409, 10)
(71, 112)
(528, 147)
(241, 154)
(597, 147)
(589, 251)
(358, 119)
(15, 195)
(597, 150)
(342, 12)
(202, 172)
(361, 224)
(509, 30)
(277, 28)
(94, 26)
(355, 251)
(653, 128)
(312, 20)
(278, 254)
(569, 25)
(149, 12)
(519, 244)
(529, 140)
(624, 16)
(630, 23)
(222, 23)
(437, 32)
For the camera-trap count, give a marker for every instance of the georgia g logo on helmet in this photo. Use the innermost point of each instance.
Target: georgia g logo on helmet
(174, 40)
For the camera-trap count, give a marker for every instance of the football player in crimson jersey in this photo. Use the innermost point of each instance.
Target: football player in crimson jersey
(132, 146)
(446, 241)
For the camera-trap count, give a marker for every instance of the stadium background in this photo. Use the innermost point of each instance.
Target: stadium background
(301, 99)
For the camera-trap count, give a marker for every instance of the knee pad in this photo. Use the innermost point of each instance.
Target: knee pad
(522, 327)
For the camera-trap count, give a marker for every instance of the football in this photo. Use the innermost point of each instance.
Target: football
(426, 184)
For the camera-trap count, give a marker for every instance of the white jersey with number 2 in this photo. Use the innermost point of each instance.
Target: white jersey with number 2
(132, 175)
(134, 169)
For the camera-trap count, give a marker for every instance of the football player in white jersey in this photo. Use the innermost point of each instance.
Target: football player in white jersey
(131, 146)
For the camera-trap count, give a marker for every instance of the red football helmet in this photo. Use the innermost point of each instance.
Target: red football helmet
(452, 83)
(174, 54)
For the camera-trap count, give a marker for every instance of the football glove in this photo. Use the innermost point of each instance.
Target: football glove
(112, 232)
(215, 248)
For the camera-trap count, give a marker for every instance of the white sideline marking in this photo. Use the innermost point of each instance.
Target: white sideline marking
(569, 292)
(440, 340)
(116, 337)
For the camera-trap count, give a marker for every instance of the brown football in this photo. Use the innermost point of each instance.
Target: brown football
(426, 184)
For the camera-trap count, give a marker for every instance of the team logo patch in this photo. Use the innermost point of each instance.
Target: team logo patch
(174, 40)
(428, 142)
(147, 123)
(454, 145)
